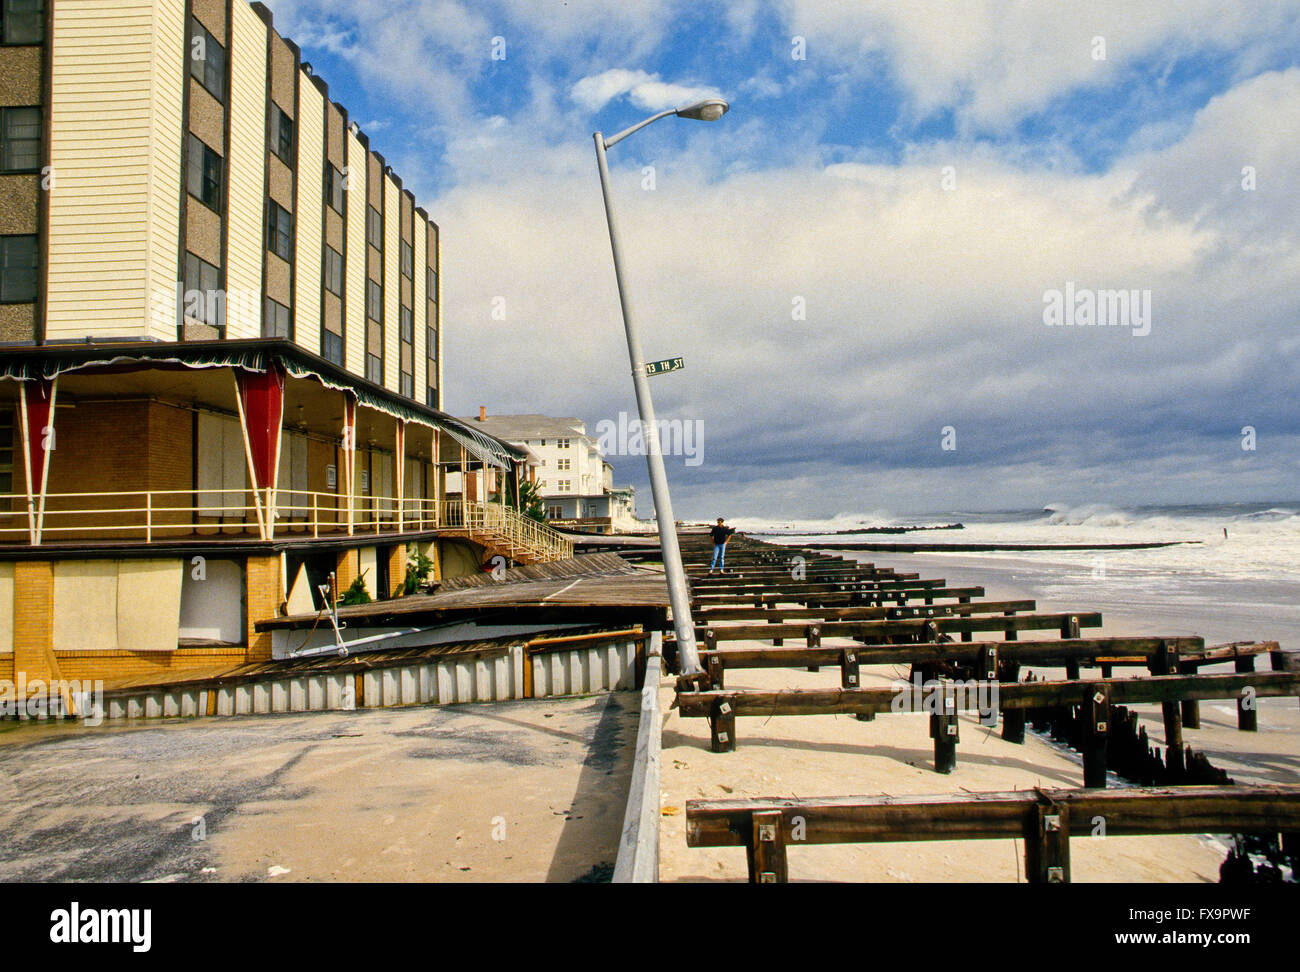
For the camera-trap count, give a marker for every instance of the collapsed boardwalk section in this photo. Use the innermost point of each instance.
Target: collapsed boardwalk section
(897, 619)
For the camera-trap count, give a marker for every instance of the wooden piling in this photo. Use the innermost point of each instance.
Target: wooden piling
(766, 851)
(1047, 845)
(1247, 704)
(1013, 720)
(1096, 715)
(944, 731)
(1191, 708)
(722, 727)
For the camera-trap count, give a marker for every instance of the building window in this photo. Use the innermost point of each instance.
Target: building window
(334, 188)
(554, 512)
(276, 322)
(6, 451)
(281, 135)
(375, 301)
(566, 485)
(333, 271)
(408, 385)
(17, 269)
(279, 230)
(408, 260)
(562, 443)
(408, 326)
(374, 369)
(203, 174)
(203, 298)
(207, 60)
(332, 347)
(431, 284)
(20, 139)
(23, 22)
(374, 227)
(564, 465)
(431, 397)
(431, 342)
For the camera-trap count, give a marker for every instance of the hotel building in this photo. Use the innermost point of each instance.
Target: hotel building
(221, 363)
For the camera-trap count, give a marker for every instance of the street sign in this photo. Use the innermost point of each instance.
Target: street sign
(663, 367)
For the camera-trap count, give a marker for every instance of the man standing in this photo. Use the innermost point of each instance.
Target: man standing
(721, 534)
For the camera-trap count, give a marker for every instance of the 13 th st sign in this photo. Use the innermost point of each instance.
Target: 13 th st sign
(663, 367)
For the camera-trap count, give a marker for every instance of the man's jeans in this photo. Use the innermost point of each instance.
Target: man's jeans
(719, 556)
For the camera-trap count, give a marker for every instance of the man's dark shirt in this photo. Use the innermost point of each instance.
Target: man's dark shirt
(720, 534)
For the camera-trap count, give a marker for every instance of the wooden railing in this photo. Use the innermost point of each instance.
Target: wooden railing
(151, 515)
(527, 538)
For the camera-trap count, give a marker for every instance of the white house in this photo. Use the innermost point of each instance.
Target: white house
(573, 479)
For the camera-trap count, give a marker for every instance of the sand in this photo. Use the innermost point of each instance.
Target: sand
(807, 756)
(517, 791)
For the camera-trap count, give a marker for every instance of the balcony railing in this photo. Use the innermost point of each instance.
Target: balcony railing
(152, 515)
(524, 535)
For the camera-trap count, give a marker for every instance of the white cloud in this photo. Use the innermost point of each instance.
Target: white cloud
(643, 90)
(924, 308)
(995, 62)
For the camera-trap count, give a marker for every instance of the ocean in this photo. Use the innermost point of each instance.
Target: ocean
(1244, 586)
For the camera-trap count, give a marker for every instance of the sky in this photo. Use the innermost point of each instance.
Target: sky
(880, 265)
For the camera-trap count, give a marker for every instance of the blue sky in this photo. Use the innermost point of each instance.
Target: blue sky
(920, 181)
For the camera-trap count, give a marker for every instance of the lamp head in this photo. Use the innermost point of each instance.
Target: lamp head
(710, 109)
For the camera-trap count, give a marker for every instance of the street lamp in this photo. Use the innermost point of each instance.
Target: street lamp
(708, 110)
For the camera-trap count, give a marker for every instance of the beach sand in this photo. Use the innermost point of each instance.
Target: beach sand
(814, 756)
(523, 791)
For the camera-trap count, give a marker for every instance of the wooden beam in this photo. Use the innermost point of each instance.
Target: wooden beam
(986, 816)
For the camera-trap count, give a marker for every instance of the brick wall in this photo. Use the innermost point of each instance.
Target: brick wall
(396, 569)
(264, 596)
(33, 617)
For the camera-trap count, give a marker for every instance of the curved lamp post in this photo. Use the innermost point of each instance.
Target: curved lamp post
(709, 110)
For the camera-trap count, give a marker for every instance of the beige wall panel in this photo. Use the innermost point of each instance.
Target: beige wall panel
(167, 140)
(392, 284)
(19, 203)
(100, 211)
(207, 118)
(435, 260)
(277, 280)
(311, 206)
(421, 312)
(203, 232)
(20, 75)
(281, 185)
(6, 608)
(334, 142)
(149, 604)
(17, 322)
(374, 264)
(333, 224)
(333, 314)
(247, 209)
(356, 257)
(283, 74)
(85, 605)
(212, 15)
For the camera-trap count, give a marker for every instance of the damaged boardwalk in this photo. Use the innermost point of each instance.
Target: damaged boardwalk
(961, 654)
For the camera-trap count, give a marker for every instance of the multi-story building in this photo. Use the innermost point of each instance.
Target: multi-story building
(221, 372)
(573, 480)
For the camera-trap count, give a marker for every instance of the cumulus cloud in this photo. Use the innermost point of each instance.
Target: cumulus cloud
(644, 90)
(838, 306)
(995, 63)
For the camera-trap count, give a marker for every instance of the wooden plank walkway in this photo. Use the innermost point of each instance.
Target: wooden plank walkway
(897, 621)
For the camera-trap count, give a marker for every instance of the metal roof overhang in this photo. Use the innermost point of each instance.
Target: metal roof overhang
(49, 361)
